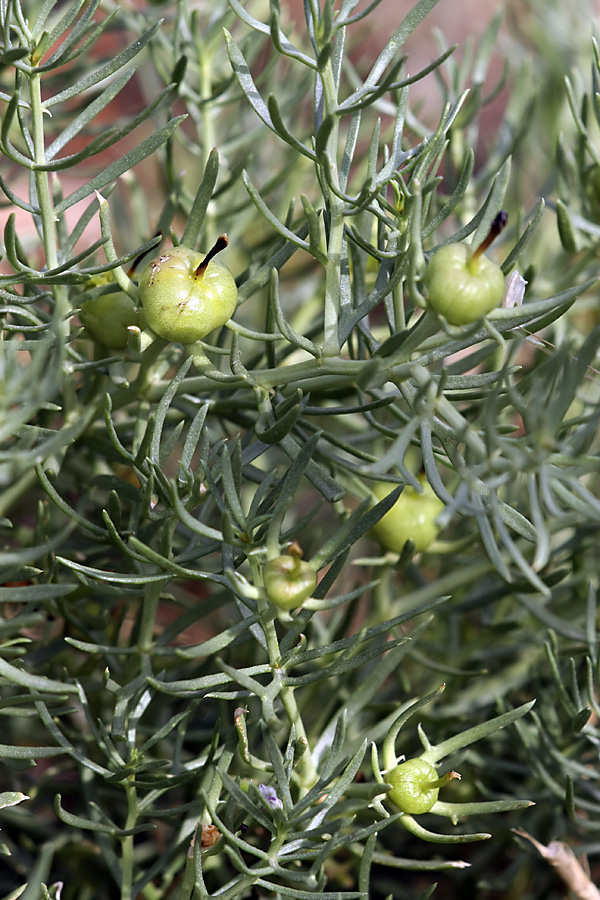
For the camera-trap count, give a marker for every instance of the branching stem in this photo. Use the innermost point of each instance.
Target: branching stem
(44, 192)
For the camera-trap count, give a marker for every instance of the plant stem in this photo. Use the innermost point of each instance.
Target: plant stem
(205, 58)
(306, 769)
(48, 219)
(335, 209)
(127, 842)
(148, 616)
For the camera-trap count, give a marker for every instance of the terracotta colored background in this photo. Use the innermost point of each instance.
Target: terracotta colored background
(459, 20)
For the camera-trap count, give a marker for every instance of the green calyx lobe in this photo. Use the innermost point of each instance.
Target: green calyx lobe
(185, 294)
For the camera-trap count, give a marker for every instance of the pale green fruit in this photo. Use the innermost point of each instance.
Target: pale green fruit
(289, 581)
(412, 517)
(463, 288)
(184, 300)
(108, 317)
(411, 786)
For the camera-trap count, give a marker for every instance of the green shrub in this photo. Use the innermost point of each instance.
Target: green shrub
(177, 726)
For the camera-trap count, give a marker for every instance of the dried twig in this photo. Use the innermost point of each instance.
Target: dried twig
(561, 857)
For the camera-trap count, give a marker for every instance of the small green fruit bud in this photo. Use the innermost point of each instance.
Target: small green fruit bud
(288, 580)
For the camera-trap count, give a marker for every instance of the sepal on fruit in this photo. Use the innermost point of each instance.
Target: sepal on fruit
(412, 517)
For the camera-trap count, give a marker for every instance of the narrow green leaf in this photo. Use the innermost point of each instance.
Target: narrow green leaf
(277, 225)
(218, 643)
(344, 18)
(206, 682)
(42, 17)
(455, 197)
(355, 526)
(525, 238)
(277, 761)
(493, 204)
(478, 808)
(195, 220)
(167, 566)
(35, 592)
(17, 201)
(194, 524)
(143, 150)
(283, 45)
(111, 577)
(432, 837)
(341, 666)
(34, 682)
(65, 22)
(341, 785)
(325, 484)
(314, 225)
(272, 430)
(76, 42)
(289, 333)
(91, 825)
(242, 73)
(88, 113)
(297, 894)
(286, 47)
(477, 733)
(244, 802)
(566, 231)
(29, 753)
(283, 131)
(163, 409)
(414, 18)
(105, 71)
(100, 649)
(62, 504)
(389, 744)
(11, 798)
(516, 520)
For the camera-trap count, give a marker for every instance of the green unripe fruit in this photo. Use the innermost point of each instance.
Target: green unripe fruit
(463, 288)
(108, 317)
(412, 791)
(412, 517)
(185, 294)
(289, 581)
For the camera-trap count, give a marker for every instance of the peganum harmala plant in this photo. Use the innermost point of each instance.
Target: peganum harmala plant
(204, 647)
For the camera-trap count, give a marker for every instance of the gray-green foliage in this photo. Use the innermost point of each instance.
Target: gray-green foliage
(142, 493)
